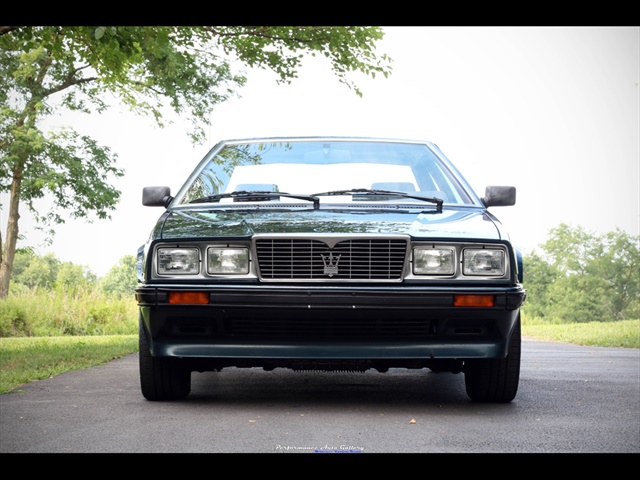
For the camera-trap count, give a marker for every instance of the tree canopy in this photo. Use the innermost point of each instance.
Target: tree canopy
(581, 276)
(188, 70)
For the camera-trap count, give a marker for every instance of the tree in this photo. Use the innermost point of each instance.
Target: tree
(538, 276)
(73, 278)
(47, 69)
(584, 277)
(121, 278)
(619, 263)
(36, 271)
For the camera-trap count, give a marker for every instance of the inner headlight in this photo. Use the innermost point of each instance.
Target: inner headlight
(483, 261)
(227, 260)
(433, 261)
(178, 261)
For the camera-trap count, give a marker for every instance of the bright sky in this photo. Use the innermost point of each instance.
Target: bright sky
(554, 111)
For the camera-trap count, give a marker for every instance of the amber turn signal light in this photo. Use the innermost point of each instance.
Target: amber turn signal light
(189, 298)
(474, 300)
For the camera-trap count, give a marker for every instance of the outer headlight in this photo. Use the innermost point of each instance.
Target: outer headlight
(434, 261)
(178, 261)
(221, 261)
(483, 261)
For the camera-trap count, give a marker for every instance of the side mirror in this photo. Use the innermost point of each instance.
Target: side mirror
(156, 196)
(498, 196)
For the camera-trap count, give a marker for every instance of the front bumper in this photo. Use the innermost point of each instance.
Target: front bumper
(250, 325)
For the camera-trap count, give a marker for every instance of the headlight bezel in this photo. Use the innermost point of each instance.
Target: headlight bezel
(434, 260)
(463, 257)
(186, 261)
(473, 265)
(225, 266)
(204, 251)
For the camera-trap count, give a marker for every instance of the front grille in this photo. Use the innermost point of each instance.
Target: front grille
(312, 325)
(314, 260)
(329, 328)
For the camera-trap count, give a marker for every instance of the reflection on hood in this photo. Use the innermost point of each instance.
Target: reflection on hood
(455, 224)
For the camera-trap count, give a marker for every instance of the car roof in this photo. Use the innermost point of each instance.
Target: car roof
(323, 138)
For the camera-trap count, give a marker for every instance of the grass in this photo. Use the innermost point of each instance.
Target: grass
(48, 313)
(27, 359)
(45, 332)
(624, 333)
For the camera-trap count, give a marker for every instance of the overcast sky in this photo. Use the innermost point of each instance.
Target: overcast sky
(554, 111)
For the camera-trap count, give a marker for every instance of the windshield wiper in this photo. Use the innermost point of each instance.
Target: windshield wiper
(244, 195)
(366, 191)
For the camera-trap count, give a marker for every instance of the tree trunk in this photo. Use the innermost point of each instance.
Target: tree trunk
(9, 247)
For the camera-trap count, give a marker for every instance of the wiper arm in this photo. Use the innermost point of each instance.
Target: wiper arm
(437, 201)
(258, 194)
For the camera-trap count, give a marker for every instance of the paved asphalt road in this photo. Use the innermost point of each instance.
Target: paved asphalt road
(571, 399)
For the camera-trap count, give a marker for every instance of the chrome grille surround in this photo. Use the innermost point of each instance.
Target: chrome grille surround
(331, 258)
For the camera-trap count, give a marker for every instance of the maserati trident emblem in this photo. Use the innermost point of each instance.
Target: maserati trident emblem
(330, 264)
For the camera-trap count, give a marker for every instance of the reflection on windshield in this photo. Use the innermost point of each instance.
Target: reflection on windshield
(308, 166)
(308, 177)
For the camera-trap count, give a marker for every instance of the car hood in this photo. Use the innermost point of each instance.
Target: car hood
(459, 224)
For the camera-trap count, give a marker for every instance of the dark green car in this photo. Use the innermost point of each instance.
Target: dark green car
(329, 253)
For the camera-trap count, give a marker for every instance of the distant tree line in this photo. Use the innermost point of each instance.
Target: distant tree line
(580, 276)
(35, 272)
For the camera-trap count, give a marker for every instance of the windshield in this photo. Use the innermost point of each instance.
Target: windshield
(312, 167)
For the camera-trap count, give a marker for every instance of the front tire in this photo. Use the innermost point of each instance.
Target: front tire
(495, 379)
(161, 378)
